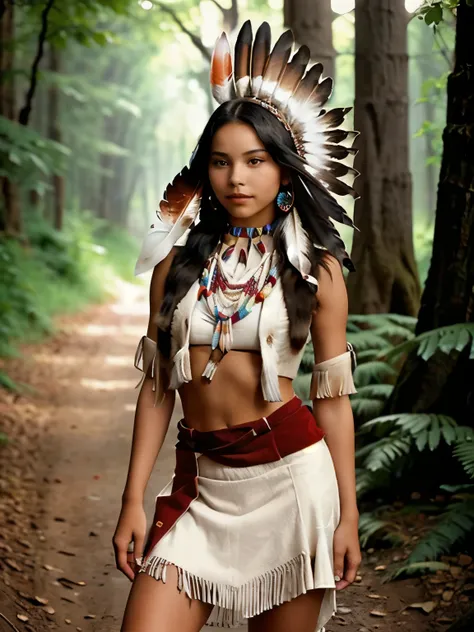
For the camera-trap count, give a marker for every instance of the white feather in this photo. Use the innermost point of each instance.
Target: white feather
(298, 246)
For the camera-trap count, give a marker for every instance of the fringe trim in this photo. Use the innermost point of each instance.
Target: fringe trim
(234, 604)
(333, 377)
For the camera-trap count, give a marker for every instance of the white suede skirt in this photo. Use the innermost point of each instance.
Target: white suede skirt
(256, 536)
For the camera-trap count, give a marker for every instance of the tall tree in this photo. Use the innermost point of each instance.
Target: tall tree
(445, 384)
(311, 23)
(383, 253)
(10, 218)
(55, 134)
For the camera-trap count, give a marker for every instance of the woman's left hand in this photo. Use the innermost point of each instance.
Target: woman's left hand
(347, 555)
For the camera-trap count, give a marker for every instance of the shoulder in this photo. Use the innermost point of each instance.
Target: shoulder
(331, 284)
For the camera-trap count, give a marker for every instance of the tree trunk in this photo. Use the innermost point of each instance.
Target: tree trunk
(387, 277)
(55, 134)
(10, 218)
(445, 384)
(311, 23)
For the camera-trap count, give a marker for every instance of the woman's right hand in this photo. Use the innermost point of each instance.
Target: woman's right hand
(131, 527)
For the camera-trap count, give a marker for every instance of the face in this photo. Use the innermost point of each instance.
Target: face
(244, 177)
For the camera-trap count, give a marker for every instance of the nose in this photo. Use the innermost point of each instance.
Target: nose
(236, 176)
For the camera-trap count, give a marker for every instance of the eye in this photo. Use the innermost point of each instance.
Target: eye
(219, 163)
(255, 161)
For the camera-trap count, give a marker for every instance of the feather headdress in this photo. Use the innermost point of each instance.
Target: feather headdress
(292, 90)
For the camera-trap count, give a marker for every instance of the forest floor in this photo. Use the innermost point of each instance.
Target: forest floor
(62, 476)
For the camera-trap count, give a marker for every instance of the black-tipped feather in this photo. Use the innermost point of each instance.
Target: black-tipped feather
(294, 71)
(261, 50)
(242, 55)
(308, 83)
(276, 64)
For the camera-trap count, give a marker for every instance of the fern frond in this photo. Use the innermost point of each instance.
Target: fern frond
(367, 339)
(382, 453)
(446, 339)
(373, 371)
(365, 408)
(464, 452)
(369, 525)
(369, 481)
(374, 391)
(425, 428)
(419, 568)
(456, 523)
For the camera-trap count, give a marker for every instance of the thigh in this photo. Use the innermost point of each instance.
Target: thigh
(298, 615)
(154, 606)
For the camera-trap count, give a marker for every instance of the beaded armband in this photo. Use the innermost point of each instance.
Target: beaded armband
(333, 377)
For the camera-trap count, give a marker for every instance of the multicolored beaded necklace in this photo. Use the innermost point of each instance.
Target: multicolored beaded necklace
(215, 286)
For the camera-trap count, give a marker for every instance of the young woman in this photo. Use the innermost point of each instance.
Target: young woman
(259, 522)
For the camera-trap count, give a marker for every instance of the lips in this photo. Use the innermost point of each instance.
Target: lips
(238, 196)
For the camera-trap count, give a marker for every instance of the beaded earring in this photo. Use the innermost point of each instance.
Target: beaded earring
(285, 199)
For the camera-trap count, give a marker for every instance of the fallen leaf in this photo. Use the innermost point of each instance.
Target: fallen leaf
(71, 581)
(49, 609)
(378, 613)
(382, 567)
(448, 595)
(375, 596)
(426, 606)
(89, 616)
(41, 600)
(13, 565)
(444, 620)
(465, 560)
(455, 571)
(468, 588)
(68, 621)
(70, 553)
(358, 578)
(343, 610)
(22, 617)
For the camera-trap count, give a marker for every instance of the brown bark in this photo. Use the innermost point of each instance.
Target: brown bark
(445, 384)
(55, 134)
(387, 277)
(25, 111)
(10, 218)
(311, 23)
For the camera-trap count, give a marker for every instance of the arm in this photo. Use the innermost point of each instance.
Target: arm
(149, 431)
(334, 416)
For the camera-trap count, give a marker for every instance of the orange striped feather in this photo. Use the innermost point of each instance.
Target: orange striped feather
(221, 71)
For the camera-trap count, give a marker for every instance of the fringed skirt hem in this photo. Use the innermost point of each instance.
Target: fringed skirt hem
(235, 604)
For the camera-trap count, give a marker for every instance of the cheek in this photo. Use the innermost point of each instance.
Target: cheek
(267, 183)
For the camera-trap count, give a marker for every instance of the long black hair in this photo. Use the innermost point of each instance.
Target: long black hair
(310, 200)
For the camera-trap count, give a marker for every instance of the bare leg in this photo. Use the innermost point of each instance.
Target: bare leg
(153, 606)
(298, 615)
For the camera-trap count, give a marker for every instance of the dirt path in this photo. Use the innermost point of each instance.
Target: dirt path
(88, 400)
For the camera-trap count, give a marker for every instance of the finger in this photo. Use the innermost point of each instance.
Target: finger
(121, 560)
(351, 570)
(139, 545)
(338, 565)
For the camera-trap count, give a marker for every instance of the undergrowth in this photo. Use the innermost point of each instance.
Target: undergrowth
(53, 272)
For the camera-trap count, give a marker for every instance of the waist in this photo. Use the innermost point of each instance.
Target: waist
(288, 429)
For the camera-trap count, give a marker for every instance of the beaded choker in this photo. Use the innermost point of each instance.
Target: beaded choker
(251, 233)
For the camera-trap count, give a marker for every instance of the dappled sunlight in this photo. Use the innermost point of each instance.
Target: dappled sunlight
(117, 331)
(124, 360)
(107, 385)
(57, 359)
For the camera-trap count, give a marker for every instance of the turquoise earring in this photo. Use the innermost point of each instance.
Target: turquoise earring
(285, 199)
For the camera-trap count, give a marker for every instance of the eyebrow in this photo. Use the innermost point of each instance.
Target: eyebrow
(252, 151)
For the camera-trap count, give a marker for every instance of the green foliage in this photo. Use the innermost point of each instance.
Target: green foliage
(28, 158)
(433, 12)
(387, 530)
(464, 452)
(456, 524)
(445, 339)
(57, 273)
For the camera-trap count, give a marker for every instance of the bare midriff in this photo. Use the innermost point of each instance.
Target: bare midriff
(234, 395)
